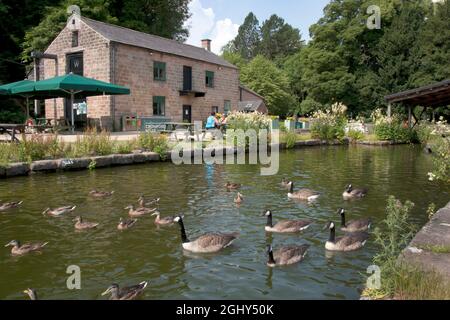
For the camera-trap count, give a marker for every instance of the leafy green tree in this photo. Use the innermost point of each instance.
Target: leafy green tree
(433, 47)
(161, 17)
(263, 76)
(396, 55)
(54, 20)
(278, 38)
(164, 18)
(234, 58)
(248, 38)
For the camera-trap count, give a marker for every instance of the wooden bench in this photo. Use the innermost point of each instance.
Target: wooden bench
(11, 130)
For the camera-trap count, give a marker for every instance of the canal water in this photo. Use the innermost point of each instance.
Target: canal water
(106, 255)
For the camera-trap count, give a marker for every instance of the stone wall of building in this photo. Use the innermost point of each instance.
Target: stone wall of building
(134, 69)
(96, 57)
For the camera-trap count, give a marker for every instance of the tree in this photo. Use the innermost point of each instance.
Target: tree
(160, 17)
(262, 76)
(164, 18)
(396, 53)
(54, 20)
(248, 38)
(278, 38)
(433, 47)
(234, 58)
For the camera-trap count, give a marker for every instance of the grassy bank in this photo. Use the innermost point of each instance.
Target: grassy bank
(92, 143)
(399, 280)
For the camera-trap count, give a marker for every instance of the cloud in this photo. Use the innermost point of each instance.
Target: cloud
(202, 24)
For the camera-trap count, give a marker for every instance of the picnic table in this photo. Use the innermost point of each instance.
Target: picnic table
(11, 130)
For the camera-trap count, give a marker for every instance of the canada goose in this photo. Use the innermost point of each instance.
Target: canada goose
(302, 194)
(100, 194)
(163, 221)
(126, 224)
(349, 242)
(84, 225)
(286, 255)
(31, 293)
(287, 226)
(19, 249)
(239, 198)
(208, 243)
(285, 183)
(58, 211)
(351, 193)
(359, 225)
(143, 204)
(138, 212)
(10, 205)
(127, 293)
(232, 186)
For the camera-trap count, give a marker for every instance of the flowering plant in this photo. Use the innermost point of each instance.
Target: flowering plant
(330, 124)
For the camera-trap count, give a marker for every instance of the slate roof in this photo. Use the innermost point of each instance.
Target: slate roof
(144, 40)
(249, 106)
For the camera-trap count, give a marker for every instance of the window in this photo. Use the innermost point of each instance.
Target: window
(74, 39)
(159, 71)
(159, 106)
(209, 79)
(227, 107)
(215, 109)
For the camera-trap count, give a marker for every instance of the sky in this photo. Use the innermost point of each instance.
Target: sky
(219, 20)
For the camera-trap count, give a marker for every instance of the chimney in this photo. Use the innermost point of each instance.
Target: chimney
(206, 44)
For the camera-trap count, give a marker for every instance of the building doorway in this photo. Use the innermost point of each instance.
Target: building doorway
(187, 114)
(74, 64)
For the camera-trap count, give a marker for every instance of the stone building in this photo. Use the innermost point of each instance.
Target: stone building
(169, 81)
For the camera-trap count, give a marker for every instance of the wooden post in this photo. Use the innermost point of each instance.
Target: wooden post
(389, 110)
(409, 117)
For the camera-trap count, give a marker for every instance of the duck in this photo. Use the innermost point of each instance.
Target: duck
(286, 226)
(143, 204)
(10, 205)
(233, 186)
(302, 194)
(31, 293)
(100, 194)
(127, 293)
(126, 224)
(359, 225)
(239, 198)
(285, 183)
(83, 225)
(207, 243)
(19, 249)
(349, 242)
(286, 255)
(352, 193)
(58, 211)
(139, 212)
(163, 221)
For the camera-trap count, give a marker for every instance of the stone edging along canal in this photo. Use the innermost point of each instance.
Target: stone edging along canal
(58, 165)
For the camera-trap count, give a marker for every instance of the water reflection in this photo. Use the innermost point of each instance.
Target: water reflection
(148, 252)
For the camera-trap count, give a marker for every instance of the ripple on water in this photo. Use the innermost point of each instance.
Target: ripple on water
(146, 252)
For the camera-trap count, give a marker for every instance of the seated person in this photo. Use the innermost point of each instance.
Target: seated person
(212, 123)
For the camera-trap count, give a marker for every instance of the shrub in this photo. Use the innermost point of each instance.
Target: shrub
(153, 142)
(290, 138)
(91, 143)
(124, 147)
(392, 128)
(329, 124)
(245, 121)
(394, 236)
(355, 135)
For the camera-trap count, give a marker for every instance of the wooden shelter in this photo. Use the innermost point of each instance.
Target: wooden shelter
(430, 96)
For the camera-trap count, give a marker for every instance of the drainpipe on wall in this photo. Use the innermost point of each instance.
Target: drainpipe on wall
(112, 68)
